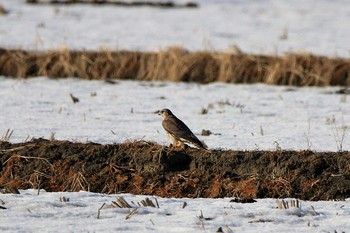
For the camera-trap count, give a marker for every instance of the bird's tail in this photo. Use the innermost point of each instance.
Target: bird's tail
(201, 144)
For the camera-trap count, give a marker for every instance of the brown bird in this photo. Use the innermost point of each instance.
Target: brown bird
(177, 131)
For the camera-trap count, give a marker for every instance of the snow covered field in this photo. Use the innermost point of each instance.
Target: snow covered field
(246, 117)
(241, 117)
(272, 26)
(29, 212)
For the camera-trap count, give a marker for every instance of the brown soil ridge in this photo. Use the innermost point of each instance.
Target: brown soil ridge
(141, 167)
(178, 65)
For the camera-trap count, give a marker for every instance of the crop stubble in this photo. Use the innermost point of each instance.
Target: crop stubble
(178, 65)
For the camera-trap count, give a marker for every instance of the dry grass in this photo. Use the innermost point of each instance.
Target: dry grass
(122, 203)
(285, 205)
(167, 4)
(77, 182)
(7, 135)
(278, 187)
(178, 65)
(99, 210)
(246, 188)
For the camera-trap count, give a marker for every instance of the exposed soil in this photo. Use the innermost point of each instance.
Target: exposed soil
(178, 65)
(142, 167)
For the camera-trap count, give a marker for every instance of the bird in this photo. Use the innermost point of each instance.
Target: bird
(178, 132)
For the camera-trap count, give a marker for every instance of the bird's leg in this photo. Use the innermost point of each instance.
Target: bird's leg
(181, 145)
(173, 147)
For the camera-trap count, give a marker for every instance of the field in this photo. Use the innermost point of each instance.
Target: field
(297, 150)
(83, 150)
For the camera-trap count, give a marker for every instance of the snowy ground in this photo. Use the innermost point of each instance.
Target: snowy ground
(240, 117)
(272, 26)
(48, 213)
(243, 117)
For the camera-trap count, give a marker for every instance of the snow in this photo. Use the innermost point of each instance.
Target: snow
(241, 117)
(48, 213)
(317, 26)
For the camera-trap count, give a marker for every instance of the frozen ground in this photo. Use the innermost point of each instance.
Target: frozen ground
(272, 26)
(241, 117)
(47, 213)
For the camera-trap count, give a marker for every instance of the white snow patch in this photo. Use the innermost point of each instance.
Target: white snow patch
(241, 117)
(29, 212)
(273, 26)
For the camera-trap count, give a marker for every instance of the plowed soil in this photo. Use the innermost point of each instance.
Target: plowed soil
(141, 167)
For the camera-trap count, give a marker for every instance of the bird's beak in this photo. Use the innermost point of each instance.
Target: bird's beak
(158, 112)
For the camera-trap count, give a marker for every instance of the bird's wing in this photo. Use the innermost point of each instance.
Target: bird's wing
(179, 130)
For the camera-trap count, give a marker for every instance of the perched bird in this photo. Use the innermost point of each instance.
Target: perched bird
(177, 131)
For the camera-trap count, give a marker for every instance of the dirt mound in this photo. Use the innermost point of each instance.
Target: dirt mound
(178, 65)
(142, 167)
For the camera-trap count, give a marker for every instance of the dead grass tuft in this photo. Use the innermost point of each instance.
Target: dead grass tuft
(122, 203)
(160, 4)
(77, 182)
(10, 188)
(246, 188)
(6, 136)
(285, 205)
(278, 187)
